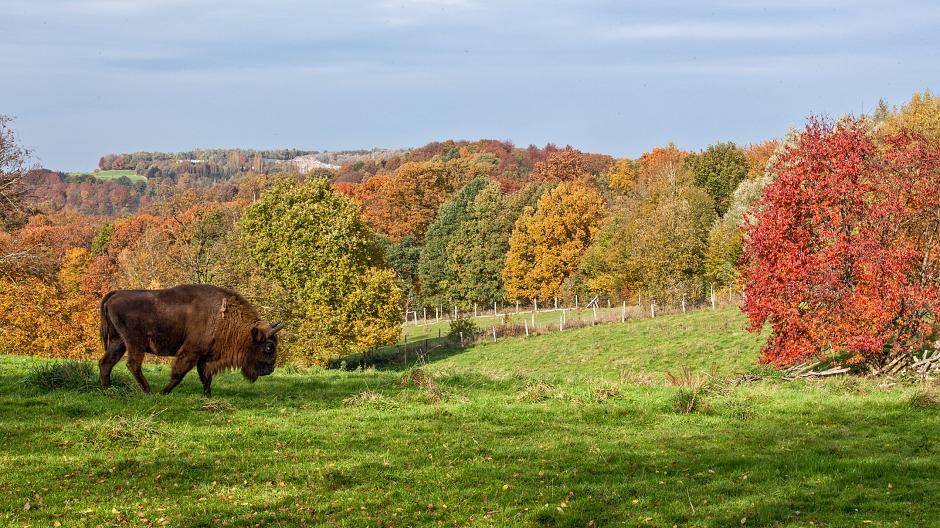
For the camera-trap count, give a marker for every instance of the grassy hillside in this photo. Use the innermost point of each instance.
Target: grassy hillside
(701, 340)
(538, 432)
(115, 174)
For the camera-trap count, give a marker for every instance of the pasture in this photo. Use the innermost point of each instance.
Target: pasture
(115, 174)
(575, 428)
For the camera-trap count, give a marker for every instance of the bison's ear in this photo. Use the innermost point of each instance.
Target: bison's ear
(257, 335)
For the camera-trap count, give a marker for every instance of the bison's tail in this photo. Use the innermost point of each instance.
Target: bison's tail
(105, 322)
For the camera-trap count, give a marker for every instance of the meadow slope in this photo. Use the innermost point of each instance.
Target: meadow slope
(568, 429)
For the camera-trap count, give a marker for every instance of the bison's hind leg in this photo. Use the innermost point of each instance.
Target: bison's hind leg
(205, 377)
(112, 354)
(135, 358)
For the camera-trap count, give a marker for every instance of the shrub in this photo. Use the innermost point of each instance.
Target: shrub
(463, 329)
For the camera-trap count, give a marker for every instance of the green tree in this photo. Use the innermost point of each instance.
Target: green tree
(654, 244)
(479, 246)
(403, 257)
(435, 269)
(325, 268)
(719, 170)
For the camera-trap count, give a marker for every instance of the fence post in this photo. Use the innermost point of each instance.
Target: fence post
(594, 310)
(652, 309)
(494, 333)
(425, 309)
(535, 304)
(526, 323)
(533, 320)
(683, 304)
(623, 312)
(713, 296)
(730, 292)
(474, 309)
(517, 307)
(608, 303)
(561, 322)
(494, 308)
(575, 302)
(461, 338)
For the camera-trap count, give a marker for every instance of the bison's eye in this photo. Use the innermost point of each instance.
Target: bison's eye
(269, 348)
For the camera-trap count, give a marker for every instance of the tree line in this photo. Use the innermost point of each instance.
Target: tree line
(808, 227)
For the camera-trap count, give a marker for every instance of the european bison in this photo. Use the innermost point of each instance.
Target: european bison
(210, 328)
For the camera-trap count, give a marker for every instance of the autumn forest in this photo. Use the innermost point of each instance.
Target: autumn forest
(829, 232)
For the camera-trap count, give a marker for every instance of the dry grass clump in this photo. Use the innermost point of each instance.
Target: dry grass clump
(606, 392)
(536, 391)
(217, 406)
(420, 379)
(927, 396)
(691, 386)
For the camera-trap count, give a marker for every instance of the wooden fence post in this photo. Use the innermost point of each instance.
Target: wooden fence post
(526, 323)
(623, 312)
(713, 295)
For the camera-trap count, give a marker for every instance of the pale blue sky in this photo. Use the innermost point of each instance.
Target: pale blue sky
(88, 77)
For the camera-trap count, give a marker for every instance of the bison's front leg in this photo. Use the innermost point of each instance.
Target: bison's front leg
(204, 377)
(183, 364)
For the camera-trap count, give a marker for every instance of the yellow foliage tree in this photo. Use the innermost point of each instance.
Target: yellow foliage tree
(50, 319)
(921, 115)
(547, 243)
(622, 176)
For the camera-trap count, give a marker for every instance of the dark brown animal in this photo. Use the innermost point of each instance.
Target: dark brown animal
(207, 327)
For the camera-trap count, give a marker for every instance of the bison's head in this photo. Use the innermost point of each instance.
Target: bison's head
(260, 359)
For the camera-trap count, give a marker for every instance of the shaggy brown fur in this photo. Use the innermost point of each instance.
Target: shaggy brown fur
(210, 328)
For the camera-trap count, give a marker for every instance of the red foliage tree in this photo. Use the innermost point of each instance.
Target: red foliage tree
(840, 258)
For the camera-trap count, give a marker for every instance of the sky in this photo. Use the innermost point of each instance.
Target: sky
(89, 77)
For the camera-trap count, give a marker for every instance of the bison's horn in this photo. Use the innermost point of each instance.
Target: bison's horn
(276, 328)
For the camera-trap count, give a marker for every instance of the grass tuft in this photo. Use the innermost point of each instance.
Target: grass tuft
(72, 375)
(420, 379)
(366, 397)
(131, 430)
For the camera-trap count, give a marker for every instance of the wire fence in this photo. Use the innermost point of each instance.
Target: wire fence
(425, 334)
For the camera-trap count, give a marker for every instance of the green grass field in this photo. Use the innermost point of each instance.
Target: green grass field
(115, 174)
(576, 428)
